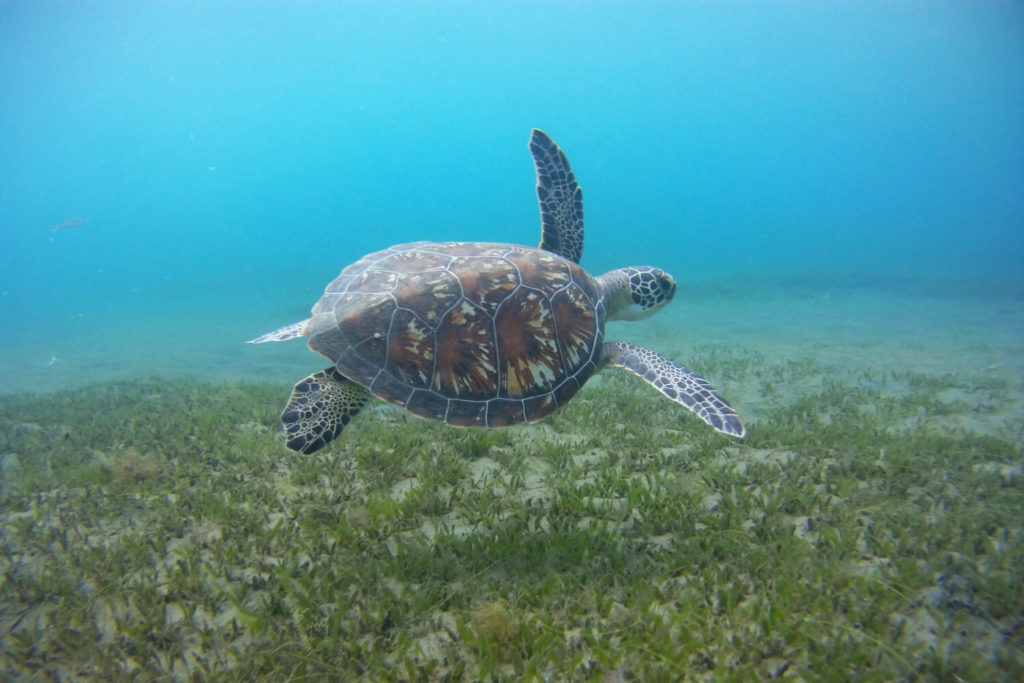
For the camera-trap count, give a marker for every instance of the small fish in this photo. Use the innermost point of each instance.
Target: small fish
(70, 224)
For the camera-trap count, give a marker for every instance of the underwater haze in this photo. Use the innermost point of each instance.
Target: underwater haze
(231, 157)
(836, 186)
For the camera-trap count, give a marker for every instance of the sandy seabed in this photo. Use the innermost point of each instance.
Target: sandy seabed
(858, 332)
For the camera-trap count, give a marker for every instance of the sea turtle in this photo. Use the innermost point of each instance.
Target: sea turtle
(477, 334)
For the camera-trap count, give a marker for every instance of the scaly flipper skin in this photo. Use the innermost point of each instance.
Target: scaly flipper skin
(560, 197)
(319, 408)
(292, 331)
(677, 383)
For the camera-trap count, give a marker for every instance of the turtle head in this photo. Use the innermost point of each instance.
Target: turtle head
(636, 293)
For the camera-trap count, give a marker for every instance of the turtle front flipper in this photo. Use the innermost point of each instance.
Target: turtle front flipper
(319, 408)
(560, 197)
(683, 386)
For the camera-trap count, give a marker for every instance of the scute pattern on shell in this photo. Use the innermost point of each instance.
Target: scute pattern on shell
(465, 333)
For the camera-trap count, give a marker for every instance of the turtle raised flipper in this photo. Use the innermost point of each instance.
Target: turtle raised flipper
(560, 197)
(677, 383)
(319, 408)
(292, 331)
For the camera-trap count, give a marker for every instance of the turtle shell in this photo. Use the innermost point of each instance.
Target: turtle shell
(465, 333)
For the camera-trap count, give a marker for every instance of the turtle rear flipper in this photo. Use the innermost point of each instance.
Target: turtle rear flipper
(319, 408)
(292, 331)
(683, 386)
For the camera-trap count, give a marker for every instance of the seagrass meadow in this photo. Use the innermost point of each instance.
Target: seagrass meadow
(157, 529)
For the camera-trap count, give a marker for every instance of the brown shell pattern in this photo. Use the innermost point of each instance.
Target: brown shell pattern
(465, 333)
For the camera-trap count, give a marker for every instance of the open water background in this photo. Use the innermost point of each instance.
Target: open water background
(231, 157)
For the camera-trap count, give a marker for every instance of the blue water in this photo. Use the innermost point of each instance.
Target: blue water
(231, 157)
